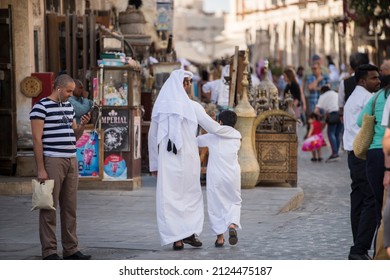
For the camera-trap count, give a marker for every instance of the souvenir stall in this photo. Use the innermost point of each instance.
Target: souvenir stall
(275, 138)
(110, 148)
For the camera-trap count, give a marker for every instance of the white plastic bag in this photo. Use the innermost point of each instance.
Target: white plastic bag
(42, 195)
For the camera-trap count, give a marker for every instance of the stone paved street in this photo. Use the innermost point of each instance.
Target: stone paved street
(122, 225)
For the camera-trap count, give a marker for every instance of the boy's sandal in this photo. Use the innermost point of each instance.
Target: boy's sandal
(233, 239)
(218, 245)
(178, 247)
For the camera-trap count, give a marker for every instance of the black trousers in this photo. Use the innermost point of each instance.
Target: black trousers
(375, 168)
(363, 220)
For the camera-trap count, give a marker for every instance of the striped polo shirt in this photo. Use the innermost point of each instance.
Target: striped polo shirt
(58, 137)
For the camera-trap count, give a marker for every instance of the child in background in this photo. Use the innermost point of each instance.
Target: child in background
(314, 140)
(223, 181)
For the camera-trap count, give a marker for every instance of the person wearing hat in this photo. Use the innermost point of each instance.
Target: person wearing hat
(174, 159)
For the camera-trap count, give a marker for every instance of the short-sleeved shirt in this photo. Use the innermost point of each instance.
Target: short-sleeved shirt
(58, 137)
(328, 101)
(379, 130)
(355, 104)
(311, 78)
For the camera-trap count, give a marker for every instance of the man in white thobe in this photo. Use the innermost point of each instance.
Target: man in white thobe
(174, 158)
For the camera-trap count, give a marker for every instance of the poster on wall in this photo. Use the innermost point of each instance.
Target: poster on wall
(115, 123)
(115, 167)
(88, 154)
(137, 137)
(164, 19)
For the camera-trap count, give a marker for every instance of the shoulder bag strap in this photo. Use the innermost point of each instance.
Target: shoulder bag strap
(373, 104)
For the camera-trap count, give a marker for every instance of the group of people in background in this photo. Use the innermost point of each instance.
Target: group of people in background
(326, 97)
(342, 106)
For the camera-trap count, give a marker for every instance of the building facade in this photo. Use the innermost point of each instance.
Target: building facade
(40, 36)
(289, 32)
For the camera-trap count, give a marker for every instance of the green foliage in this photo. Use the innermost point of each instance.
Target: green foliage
(367, 9)
(275, 69)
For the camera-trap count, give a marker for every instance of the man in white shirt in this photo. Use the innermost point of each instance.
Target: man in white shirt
(363, 220)
(219, 89)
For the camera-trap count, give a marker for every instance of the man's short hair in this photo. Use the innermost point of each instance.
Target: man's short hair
(362, 71)
(357, 59)
(62, 81)
(228, 118)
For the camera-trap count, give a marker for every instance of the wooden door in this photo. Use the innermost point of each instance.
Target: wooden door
(7, 96)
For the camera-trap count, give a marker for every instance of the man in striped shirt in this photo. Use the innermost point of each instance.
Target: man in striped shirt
(54, 133)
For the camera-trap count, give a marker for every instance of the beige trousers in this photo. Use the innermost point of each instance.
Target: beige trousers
(64, 171)
(380, 250)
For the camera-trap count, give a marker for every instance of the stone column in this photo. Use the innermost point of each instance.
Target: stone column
(245, 117)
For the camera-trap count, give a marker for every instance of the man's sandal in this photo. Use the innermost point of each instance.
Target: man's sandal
(193, 241)
(233, 239)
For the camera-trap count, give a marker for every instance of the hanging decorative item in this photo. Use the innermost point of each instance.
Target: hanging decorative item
(31, 86)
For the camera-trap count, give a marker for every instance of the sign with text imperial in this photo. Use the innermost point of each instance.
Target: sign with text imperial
(115, 123)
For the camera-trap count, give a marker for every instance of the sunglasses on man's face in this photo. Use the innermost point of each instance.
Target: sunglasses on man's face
(188, 80)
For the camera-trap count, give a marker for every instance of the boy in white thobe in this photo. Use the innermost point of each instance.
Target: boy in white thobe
(223, 179)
